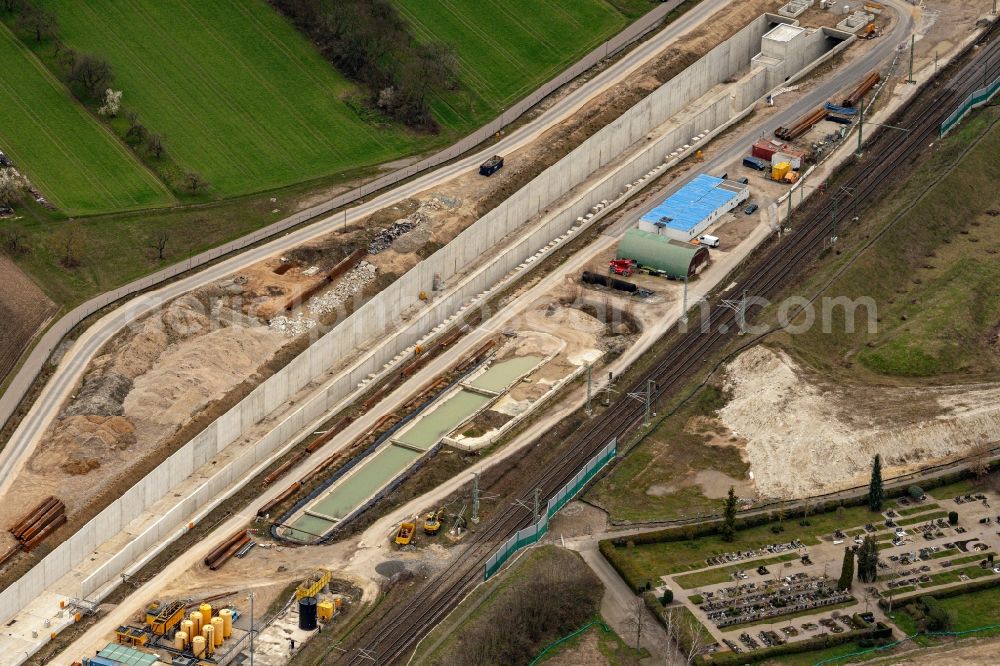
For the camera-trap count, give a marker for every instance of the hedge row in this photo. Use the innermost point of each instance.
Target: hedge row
(971, 586)
(877, 635)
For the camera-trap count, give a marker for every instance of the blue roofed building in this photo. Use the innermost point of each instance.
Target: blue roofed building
(690, 210)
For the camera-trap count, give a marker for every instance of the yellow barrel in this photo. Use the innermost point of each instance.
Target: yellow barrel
(325, 611)
(187, 626)
(198, 646)
(218, 631)
(209, 633)
(180, 640)
(206, 613)
(227, 622)
(198, 621)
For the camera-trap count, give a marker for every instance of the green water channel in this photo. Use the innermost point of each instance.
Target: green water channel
(372, 473)
(504, 373)
(429, 429)
(387, 463)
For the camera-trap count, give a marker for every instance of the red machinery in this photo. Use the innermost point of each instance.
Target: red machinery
(623, 267)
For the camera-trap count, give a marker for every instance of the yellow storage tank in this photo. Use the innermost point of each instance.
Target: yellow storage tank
(198, 621)
(198, 646)
(187, 626)
(208, 632)
(324, 611)
(227, 622)
(180, 640)
(218, 632)
(206, 613)
(779, 170)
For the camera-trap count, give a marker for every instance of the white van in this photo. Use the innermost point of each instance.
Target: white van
(710, 241)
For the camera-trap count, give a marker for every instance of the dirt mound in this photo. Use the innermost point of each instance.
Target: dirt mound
(101, 395)
(804, 437)
(79, 444)
(193, 373)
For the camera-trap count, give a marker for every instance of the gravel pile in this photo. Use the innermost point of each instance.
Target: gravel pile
(383, 239)
(352, 283)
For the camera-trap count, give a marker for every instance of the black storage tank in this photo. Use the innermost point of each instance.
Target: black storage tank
(307, 613)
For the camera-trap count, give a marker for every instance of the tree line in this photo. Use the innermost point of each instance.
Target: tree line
(370, 43)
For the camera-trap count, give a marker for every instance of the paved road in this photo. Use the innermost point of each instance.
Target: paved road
(74, 363)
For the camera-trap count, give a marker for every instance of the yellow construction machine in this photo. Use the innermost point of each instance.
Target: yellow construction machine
(432, 521)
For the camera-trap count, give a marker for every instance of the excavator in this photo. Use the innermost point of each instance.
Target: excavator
(432, 521)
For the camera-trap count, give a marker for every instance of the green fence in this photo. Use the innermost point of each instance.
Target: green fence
(533, 533)
(977, 98)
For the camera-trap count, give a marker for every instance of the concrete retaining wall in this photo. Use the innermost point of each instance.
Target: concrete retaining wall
(376, 318)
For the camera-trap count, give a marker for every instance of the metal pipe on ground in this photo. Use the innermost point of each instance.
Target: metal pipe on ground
(11, 552)
(283, 468)
(228, 553)
(32, 516)
(266, 509)
(43, 521)
(218, 550)
(867, 84)
(49, 529)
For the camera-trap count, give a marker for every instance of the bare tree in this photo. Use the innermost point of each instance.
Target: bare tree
(979, 462)
(159, 244)
(194, 182)
(10, 189)
(154, 144)
(13, 241)
(90, 75)
(39, 21)
(686, 633)
(70, 244)
(636, 619)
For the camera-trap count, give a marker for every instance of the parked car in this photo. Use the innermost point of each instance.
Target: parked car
(708, 240)
(751, 209)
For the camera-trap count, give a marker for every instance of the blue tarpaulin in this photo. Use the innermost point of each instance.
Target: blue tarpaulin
(691, 204)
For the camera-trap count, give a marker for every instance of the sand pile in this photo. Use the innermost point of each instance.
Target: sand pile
(80, 444)
(193, 373)
(803, 439)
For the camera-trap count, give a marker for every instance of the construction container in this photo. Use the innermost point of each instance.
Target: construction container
(227, 622)
(793, 157)
(324, 611)
(218, 631)
(780, 170)
(307, 613)
(197, 619)
(208, 633)
(766, 148)
(198, 647)
(180, 640)
(206, 613)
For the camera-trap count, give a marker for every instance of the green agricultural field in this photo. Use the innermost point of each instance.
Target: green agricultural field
(507, 48)
(70, 157)
(241, 97)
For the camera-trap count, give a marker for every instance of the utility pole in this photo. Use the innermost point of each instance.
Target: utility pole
(251, 627)
(684, 304)
(788, 220)
(649, 399)
(861, 126)
(607, 392)
(913, 42)
(534, 512)
(590, 411)
(475, 497)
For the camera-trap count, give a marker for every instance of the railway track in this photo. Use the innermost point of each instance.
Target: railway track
(391, 637)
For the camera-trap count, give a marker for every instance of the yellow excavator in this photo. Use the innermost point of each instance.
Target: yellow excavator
(432, 521)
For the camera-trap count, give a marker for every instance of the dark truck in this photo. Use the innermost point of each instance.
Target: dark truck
(491, 166)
